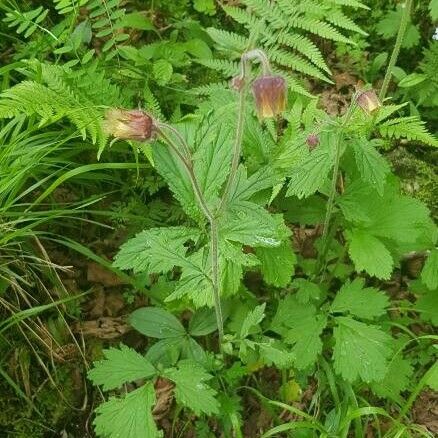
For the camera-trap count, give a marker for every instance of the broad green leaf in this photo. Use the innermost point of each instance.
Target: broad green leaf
(367, 303)
(156, 323)
(130, 416)
(427, 306)
(307, 291)
(310, 174)
(361, 350)
(429, 274)
(162, 71)
(432, 377)
(301, 326)
(372, 166)
(277, 264)
(250, 224)
(195, 282)
(370, 254)
(190, 389)
(172, 170)
(155, 250)
(203, 322)
(165, 352)
(433, 7)
(120, 366)
(253, 319)
(136, 20)
(277, 354)
(396, 379)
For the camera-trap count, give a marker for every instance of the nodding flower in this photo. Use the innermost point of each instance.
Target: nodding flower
(270, 93)
(129, 124)
(368, 101)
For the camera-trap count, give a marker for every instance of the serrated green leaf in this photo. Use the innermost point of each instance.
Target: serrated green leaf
(190, 389)
(203, 322)
(396, 379)
(300, 325)
(427, 306)
(367, 303)
(162, 71)
(307, 290)
(277, 354)
(250, 224)
(310, 174)
(429, 274)
(120, 366)
(156, 323)
(155, 250)
(129, 417)
(252, 319)
(277, 264)
(369, 254)
(372, 166)
(360, 351)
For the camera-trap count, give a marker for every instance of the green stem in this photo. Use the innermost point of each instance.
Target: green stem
(188, 164)
(332, 194)
(396, 51)
(236, 149)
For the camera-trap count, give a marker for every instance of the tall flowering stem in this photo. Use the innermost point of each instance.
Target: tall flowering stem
(396, 51)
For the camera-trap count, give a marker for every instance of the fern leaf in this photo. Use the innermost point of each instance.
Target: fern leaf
(228, 40)
(26, 22)
(411, 128)
(294, 61)
(350, 3)
(228, 68)
(241, 16)
(339, 19)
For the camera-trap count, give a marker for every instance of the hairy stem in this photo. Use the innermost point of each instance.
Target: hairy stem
(332, 194)
(236, 149)
(214, 254)
(396, 50)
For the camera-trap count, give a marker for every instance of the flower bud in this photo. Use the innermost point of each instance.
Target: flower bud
(270, 95)
(237, 83)
(368, 101)
(129, 124)
(312, 141)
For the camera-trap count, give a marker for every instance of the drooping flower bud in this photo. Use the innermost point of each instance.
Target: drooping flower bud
(237, 83)
(368, 101)
(312, 141)
(129, 124)
(270, 94)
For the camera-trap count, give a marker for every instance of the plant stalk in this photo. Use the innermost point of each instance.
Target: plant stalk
(396, 50)
(188, 164)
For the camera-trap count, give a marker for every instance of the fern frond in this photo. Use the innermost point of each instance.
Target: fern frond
(241, 16)
(268, 11)
(289, 59)
(339, 19)
(320, 28)
(26, 22)
(386, 110)
(66, 6)
(305, 46)
(350, 3)
(228, 40)
(207, 90)
(411, 128)
(229, 68)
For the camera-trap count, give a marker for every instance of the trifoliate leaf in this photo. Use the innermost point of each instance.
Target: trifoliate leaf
(190, 389)
(427, 306)
(156, 323)
(250, 224)
(361, 350)
(155, 250)
(310, 174)
(370, 254)
(429, 274)
(252, 319)
(165, 352)
(396, 379)
(367, 303)
(120, 366)
(372, 166)
(300, 325)
(277, 264)
(128, 417)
